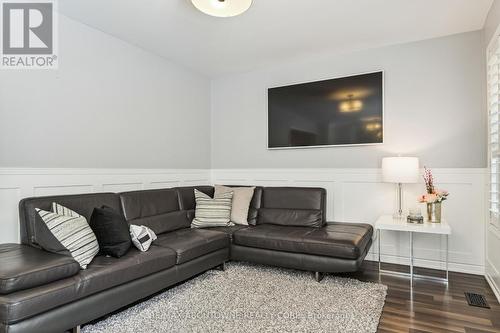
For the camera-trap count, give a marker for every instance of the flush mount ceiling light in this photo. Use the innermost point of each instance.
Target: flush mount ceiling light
(222, 8)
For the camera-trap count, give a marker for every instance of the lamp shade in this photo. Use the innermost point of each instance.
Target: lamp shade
(400, 169)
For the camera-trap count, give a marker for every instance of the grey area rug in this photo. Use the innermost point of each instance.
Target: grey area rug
(254, 298)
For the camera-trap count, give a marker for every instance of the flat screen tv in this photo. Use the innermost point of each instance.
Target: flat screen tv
(341, 111)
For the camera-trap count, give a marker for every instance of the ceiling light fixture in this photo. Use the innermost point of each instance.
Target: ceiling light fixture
(222, 8)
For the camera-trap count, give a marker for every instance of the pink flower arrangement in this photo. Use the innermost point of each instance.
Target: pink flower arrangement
(433, 194)
(438, 196)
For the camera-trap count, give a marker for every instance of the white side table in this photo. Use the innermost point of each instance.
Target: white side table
(388, 222)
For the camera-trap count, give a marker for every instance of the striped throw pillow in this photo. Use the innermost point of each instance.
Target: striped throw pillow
(73, 231)
(214, 212)
(61, 210)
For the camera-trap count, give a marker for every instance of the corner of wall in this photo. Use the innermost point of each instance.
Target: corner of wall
(211, 117)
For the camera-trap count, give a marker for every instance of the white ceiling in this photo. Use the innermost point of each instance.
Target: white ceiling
(273, 30)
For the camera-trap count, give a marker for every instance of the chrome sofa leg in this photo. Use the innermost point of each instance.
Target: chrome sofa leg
(221, 267)
(318, 276)
(75, 329)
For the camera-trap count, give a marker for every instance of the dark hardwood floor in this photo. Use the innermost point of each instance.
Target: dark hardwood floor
(432, 306)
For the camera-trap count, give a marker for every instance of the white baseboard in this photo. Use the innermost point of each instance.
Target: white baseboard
(493, 277)
(493, 286)
(426, 263)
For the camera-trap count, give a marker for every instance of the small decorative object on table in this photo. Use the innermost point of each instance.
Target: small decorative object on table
(432, 198)
(415, 216)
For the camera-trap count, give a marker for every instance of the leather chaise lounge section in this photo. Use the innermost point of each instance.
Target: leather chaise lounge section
(44, 291)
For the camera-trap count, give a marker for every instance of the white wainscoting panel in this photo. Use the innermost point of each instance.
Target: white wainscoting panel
(354, 195)
(16, 184)
(359, 195)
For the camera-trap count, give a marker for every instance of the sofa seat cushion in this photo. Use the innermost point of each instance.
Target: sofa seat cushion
(26, 303)
(192, 243)
(106, 272)
(229, 230)
(103, 273)
(341, 240)
(24, 267)
(338, 240)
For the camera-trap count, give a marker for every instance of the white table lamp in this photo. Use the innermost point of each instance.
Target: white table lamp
(400, 170)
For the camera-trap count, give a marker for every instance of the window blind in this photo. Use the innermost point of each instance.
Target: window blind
(493, 72)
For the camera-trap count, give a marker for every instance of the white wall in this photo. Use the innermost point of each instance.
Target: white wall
(434, 109)
(434, 102)
(128, 120)
(109, 105)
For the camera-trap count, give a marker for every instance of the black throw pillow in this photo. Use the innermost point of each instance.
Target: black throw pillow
(111, 230)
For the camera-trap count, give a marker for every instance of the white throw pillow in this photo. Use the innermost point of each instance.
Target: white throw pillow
(210, 212)
(73, 231)
(242, 196)
(142, 237)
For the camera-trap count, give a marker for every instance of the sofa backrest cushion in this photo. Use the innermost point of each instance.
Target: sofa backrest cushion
(291, 217)
(255, 205)
(187, 200)
(306, 204)
(35, 232)
(155, 209)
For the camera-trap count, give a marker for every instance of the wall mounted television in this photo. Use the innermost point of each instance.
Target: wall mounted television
(334, 112)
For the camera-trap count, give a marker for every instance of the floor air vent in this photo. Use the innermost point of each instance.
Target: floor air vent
(476, 300)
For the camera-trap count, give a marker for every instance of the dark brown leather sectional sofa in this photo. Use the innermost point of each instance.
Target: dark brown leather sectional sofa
(42, 291)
